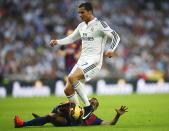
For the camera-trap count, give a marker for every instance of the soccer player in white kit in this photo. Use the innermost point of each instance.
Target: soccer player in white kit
(94, 34)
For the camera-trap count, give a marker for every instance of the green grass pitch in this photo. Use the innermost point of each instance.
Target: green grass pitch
(146, 112)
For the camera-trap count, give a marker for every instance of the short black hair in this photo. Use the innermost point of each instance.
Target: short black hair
(87, 5)
(95, 101)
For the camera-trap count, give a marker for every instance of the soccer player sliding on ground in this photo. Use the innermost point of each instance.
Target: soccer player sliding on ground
(69, 114)
(93, 33)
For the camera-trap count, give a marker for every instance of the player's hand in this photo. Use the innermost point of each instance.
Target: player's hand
(121, 110)
(109, 53)
(53, 43)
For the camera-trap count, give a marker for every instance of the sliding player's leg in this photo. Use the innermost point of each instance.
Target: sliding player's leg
(38, 121)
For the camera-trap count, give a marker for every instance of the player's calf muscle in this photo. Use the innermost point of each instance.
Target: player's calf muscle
(69, 91)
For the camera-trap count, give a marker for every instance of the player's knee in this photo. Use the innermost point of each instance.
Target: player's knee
(50, 115)
(71, 79)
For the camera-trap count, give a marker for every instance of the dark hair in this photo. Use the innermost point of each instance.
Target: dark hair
(87, 5)
(95, 101)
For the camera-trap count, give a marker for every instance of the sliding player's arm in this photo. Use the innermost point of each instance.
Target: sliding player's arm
(67, 40)
(119, 112)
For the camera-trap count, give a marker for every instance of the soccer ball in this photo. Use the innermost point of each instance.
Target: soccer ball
(77, 112)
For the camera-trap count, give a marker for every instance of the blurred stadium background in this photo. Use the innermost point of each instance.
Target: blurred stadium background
(27, 27)
(140, 63)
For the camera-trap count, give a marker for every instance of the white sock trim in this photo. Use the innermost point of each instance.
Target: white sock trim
(73, 98)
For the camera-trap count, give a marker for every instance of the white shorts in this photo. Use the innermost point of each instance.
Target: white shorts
(89, 69)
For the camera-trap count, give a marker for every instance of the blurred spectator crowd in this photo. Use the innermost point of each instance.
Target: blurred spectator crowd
(27, 26)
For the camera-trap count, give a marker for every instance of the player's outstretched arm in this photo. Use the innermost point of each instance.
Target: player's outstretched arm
(119, 112)
(67, 40)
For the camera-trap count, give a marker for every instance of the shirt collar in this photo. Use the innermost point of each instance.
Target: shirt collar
(92, 21)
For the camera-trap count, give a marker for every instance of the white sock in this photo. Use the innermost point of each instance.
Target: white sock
(73, 98)
(81, 92)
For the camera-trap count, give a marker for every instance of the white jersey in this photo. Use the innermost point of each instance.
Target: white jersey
(94, 36)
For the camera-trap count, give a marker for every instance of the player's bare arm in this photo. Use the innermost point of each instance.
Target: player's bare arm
(119, 112)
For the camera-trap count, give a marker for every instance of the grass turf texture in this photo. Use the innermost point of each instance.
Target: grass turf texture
(146, 112)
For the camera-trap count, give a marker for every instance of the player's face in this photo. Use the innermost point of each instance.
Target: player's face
(84, 14)
(94, 103)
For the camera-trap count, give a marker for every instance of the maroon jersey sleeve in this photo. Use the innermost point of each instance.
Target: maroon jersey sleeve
(93, 120)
